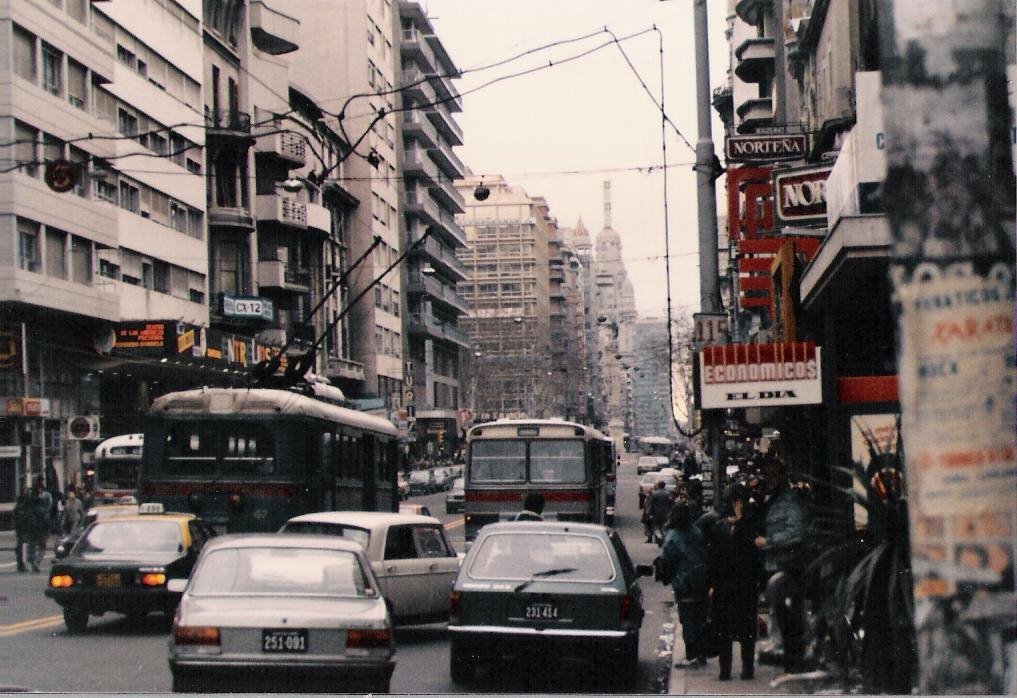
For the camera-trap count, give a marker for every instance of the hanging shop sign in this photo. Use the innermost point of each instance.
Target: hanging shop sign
(759, 375)
(764, 149)
(25, 407)
(187, 344)
(800, 194)
(247, 307)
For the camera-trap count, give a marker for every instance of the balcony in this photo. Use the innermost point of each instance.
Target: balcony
(432, 327)
(415, 86)
(440, 256)
(284, 210)
(418, 164)
(755, 113)
(421, 283)
(414, 46)
(443, 121)
(290, 148)
(274, 274)
(447, 222)
(230, 217)
(444, 191)
(319, 218)
(419, 203)
(228, 124)
(416, 126)
(272, 31)
(448, 161)
(337, 367)
(445, 91)
(755, 60)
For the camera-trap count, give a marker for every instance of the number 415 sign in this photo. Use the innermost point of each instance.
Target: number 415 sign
(709, 329)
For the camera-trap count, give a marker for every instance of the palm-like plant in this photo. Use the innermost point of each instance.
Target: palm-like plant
(865, 629)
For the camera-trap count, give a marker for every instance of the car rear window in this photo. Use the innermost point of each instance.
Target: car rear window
(561, 557)
(357, 535)
(289, 571)
(112, 536)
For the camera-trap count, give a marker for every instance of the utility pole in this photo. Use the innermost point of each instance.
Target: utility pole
(706, 197)
(950, 199)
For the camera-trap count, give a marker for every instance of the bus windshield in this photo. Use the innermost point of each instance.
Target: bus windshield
(550, 461)
(226, 449)
(117, 473)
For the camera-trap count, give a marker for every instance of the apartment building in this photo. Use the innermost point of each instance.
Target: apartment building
(579, 240)
(434, 339)
(651, 380)
(507, 288)
(109, 251)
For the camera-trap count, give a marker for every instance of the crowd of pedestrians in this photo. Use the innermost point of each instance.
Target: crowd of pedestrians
(718, 563)
(38, 513)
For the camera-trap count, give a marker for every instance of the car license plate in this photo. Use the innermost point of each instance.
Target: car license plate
(541, 610)
(107, 580)
(284, 641)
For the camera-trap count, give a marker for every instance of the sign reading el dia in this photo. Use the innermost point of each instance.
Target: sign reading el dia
(766, 148)
(760, 375)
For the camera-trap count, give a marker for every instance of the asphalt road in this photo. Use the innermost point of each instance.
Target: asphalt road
(37, 653)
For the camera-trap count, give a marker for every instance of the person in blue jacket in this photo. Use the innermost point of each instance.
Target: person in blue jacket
(684, 553)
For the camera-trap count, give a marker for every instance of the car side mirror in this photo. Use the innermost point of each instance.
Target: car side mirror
(644, 570)
(177, 586)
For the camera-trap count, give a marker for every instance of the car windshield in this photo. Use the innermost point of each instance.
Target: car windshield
(420, 476)
(281, 571)
(114, 536)
(353, 533)
(522, 556)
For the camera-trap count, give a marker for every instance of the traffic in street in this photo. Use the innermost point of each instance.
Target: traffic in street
(121, 653)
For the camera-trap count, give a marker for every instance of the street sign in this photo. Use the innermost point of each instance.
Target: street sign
(709, 329)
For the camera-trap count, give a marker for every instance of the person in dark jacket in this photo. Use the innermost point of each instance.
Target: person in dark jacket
(23, 518)
(684, 552)
(533, 508)
(735, 567)
(658, 508)
(40, 509)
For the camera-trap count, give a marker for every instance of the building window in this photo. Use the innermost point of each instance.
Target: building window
(28, 245)
(56, 253)
(77, 84)
(379, 346)
(127, 122)
(81, 260)
(78, 9)
(378, 300)
(395, 303)
(80, 158)
(25, 137)
(161, 276)
(52, 69)
(109, 269)
(24, 54)
(231, 270)
(129, 197)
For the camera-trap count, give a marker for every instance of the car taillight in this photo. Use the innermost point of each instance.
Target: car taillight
(454, 599)
(61, 581)
(364, 638)
(625, 607)
(153, 579)
(195, 635)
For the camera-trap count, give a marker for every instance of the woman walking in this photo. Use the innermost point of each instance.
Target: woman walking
(735, 567)
(684, 552)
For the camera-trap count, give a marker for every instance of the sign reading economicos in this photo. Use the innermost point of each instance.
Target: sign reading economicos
(760, 375)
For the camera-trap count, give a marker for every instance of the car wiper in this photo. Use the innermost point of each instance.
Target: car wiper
(543, 574)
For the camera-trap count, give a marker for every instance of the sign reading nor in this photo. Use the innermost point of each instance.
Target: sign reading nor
(760, 375)
(800, 194)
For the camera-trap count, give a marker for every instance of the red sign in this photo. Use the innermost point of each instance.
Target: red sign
(801, 194)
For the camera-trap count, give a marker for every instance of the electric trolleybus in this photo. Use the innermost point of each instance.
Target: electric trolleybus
(249, 459)
(113, 475)
(571, 465)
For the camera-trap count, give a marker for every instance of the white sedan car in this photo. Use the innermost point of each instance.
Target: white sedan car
(410, 555)
(273, 612)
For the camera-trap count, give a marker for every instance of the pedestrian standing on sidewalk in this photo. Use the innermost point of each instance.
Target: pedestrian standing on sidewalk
(73, 514)
(658, 507)
(735, 566)
(684, 552)
(39, 522)
(22, 527)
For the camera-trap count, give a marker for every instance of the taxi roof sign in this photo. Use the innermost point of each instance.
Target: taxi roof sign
(152, 508)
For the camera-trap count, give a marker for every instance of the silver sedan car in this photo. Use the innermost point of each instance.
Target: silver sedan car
(282, 612)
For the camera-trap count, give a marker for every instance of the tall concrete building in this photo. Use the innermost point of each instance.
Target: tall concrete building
(96, 252)
(580, 242)
(430, 168)
(507, 288)
(651, 397)
(568, 373)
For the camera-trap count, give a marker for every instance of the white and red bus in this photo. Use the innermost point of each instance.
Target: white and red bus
(115, 469)
(571, 465)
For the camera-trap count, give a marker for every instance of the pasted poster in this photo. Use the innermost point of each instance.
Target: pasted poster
(875, 444)
(957, 393)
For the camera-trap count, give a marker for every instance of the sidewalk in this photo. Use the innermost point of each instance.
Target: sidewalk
(7, 541)
(703, 680)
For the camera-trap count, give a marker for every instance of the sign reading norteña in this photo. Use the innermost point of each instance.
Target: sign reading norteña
(760, 375)
(769, 148)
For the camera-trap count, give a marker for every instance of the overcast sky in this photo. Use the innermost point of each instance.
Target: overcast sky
(560, 132)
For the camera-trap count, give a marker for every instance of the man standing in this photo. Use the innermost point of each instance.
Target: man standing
(40, 508)
(22, 527)
(658, 508)
(73, 514)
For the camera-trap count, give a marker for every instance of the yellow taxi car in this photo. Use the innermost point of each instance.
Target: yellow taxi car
(123, 564)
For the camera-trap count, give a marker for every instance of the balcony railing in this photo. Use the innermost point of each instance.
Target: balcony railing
(443, 256)
(282, 209)
(227, 120)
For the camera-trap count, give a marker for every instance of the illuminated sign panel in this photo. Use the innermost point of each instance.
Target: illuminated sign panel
(760, 375)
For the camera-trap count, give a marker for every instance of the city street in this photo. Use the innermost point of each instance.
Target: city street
(111, 655)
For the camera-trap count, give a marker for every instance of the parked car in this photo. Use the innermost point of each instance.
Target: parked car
(410, 555)
(414, 508)
(423, 482)
(649, 482)
(455, 500)
(269, 611)
(547, 587)
(123, 564)
(447, 475)
(103, 511)
(646, 464)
